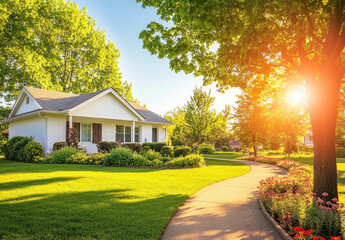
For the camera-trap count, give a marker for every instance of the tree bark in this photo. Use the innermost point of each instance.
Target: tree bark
(255, 151)
(323, 109)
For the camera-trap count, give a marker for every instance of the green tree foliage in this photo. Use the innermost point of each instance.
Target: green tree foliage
(197, 122)
(199, 116)
(251, 116)
(292, 40)
(54, 45)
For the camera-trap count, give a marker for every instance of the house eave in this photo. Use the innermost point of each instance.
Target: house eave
(32, 114)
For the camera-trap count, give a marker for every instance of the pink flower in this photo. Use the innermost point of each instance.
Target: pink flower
(319, 200)
(325, 194)
(335, 207)
(335, 199)
(328, 203)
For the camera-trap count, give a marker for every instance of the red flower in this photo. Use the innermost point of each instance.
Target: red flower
(335, 238)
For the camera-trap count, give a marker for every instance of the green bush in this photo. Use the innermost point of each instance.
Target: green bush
(139, 160)
(7, 148)
(145, 148)
(96, 158)
(225, 149)
(106, 147)
(78, 158)
(182, 151)
(156, 163)
(33, 150)
(17, 150)
(135, 147)
(166, 159)
(151, 155)
(58, 145)
(192, 160)
(167, 151)
(157, 146)
(206, 150)
(119, 157)
(340, 152)
(63, 155)
(176, 142)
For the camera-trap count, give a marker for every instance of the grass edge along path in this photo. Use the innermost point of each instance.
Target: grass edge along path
(49, 201)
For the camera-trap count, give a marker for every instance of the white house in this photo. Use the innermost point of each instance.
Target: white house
(99, 116)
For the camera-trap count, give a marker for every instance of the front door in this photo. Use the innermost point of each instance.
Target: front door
(154, 134)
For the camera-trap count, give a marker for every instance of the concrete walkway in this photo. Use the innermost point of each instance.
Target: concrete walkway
(226, 210)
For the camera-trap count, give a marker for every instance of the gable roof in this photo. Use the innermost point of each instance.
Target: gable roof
(54, 101)
(149, 115)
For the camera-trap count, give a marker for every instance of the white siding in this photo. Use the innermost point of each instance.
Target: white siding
(146, 133)
(56, 126)
(34, 127)
(161, 134)
(108, 131)
(23, 107)
(108, 107)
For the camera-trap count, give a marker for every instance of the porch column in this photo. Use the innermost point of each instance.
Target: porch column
(133, 132)
(70, 124)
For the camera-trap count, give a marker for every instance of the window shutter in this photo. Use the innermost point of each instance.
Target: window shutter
(96, 132)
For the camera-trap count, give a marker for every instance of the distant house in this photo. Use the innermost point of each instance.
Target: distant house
(235, 145)
(99, 116)
(308, 140)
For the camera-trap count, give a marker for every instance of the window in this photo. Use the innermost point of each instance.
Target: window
(27, 100)
(86, 132)
(154, 134)
(124, 133)
(128, 133)
(120, 133)
(137, 134)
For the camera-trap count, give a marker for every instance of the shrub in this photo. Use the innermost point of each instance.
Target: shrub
(63, 155)
(192, 160)
(33, 150)
(157, 146)
(139, 160)
(177, 142)
(119, 157)
(182, 151)
(151, 155)
(167, 151)
(225, 149)
(156, 163)
(166, 159)
(39, 159)
(206, 148)
(17, 151)
(58, 145)
(145, 148)
(96, 158)
(135, 147)
(78, 158)
(106, 147)
(340, 152)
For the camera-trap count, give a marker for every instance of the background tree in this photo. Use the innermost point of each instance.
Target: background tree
(199, 116)
(294, 40)
(176, 132)
(54, 45)
(251, 116)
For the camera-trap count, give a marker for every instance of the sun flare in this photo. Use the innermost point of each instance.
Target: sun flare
(296, 96)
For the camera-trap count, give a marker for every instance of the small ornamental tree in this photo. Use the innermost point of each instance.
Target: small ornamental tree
(73, 137)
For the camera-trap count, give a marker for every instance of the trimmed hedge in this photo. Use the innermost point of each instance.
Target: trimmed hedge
(206, 148)
(151, 155)
(167, 151)
(119, 157)
(136, 147)
(192, 160)
(32, 151)
(59, 145)
(157, 146)
(106, 147)
(182, 151)
(225, 149)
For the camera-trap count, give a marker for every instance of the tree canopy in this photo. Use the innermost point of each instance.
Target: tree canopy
(54, 45)
(231, 41)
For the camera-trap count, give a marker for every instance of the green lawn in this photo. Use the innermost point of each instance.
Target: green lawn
(40, 201)
(303, 158)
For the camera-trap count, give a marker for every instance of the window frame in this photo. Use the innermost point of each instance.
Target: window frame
(124, 133)
(82, 132)
(27, 100)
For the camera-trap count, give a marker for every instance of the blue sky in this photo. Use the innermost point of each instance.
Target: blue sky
(154, 84)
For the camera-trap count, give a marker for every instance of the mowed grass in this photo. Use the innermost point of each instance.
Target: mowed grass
(40, 201)
(306, 158)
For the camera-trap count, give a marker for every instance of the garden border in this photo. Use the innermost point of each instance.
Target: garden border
(273, 222)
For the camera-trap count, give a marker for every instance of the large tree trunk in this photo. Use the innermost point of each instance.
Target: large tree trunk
(255, 151)
(323, 105)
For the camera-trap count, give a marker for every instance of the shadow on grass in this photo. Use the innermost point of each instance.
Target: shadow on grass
(112, 214)
(22, 184)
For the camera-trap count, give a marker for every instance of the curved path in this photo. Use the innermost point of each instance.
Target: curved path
(226, 210)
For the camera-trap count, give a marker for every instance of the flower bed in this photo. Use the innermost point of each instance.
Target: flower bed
(290, 201)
